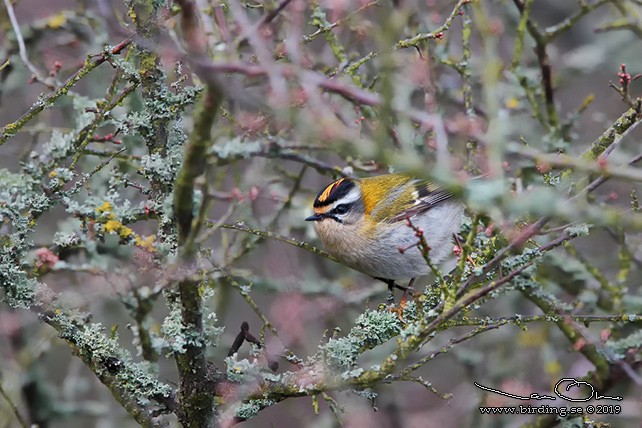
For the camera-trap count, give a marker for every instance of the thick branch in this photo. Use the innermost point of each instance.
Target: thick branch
(10, 129)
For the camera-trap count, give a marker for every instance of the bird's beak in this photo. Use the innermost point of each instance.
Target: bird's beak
(315, 217)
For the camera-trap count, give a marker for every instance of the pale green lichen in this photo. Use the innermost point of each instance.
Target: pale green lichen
(622, 346)
(580, 229)
(234, 148)
(173, 330)
(161, 107)
(60, 145)
(176, 336)
(19, 287)
(527, 256)
(83, 107)
(91, 344)
(371, 329)
(250, 409)
(17, 189)
(352, 373)
(242, 371)
(367, 394)
(162, 169)
(211, 331)
(127, 69)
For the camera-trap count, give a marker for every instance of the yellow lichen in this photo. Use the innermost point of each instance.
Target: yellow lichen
(147, 243)
(124, 232)
(57, 21)
(512, 103)
(105, 207)
(553, 368)
(112, 226)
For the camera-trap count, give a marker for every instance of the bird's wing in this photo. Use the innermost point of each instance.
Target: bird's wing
(425, 196)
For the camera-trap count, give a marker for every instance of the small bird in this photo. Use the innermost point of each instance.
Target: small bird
(366, 224)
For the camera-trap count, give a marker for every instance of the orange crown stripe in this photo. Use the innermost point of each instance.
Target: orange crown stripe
(328, 190)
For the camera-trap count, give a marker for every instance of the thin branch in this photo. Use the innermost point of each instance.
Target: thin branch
(48, 82)
(436, 34)
(86, 135)
(544, 63)
(288, 353)
(10, 129)
(13, 407)
(564, 161)
(269, 17)
(276, 151)
(519, 320)
(451, 343)
(349, 92)
(521, 29)
(267, 234)
(555, 30)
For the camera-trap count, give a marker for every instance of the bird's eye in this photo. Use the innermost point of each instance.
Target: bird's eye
(341, 209)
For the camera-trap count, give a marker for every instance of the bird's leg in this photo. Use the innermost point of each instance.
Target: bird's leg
(408, 289)
(391, 291)
(391, 288)
(404, 299)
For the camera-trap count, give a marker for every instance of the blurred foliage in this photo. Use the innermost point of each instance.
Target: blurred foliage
(159, 158)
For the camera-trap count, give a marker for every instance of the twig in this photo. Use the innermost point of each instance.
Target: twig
(436, 34)
(267, 234)
(277, 82)
(465, 65)
(269, 17)
(413, 342)
(118, 154)
(555, 30)
(23, 50)
(606, 171)
(521, 29)
(349, 92)
(275, 151)
(98, 167)
(598, 181)
(521, 319)
(451, 343)
(611, 138)
(289, 354)
(86, 135)
(13, 407)
(544, 63)
(10, 129)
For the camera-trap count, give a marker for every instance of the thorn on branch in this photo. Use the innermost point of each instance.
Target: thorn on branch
(245, 335)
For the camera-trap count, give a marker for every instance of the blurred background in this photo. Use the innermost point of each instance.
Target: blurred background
(450, 107)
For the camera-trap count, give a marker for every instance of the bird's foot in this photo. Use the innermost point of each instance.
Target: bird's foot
(404, 299)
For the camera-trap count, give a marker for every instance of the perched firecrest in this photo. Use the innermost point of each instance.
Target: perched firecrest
(364, 224)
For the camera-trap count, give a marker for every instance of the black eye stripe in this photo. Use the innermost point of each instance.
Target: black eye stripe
(341, 208)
